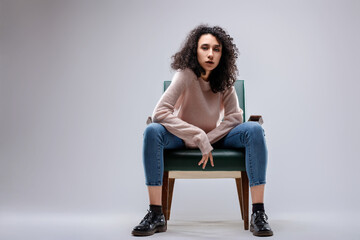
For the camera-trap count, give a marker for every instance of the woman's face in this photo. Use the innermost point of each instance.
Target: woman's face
(208, 52)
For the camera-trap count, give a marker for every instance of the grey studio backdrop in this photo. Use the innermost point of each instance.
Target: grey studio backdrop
(79, 79)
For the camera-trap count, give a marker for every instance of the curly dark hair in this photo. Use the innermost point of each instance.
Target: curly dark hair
(224, 75)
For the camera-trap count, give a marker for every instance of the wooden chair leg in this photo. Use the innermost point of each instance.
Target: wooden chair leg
(165, 194)
(170, 195)
(245, 197)
(239, 191)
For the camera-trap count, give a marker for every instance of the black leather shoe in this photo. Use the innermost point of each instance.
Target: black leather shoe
(259, 225)
(151, 223)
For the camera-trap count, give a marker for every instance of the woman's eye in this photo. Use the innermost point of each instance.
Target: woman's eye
(217, 50)
(204, 48)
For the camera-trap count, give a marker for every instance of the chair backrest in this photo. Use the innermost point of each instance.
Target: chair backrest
(240, 91)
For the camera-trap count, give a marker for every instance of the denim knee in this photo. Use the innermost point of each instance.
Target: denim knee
(152, 130)
(254, 129)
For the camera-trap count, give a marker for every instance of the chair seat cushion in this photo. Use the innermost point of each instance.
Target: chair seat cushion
(188, 159)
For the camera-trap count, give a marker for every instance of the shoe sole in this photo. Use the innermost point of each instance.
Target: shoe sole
(156, 230)
(261, 234)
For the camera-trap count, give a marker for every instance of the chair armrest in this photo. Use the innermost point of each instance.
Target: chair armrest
(149, 120)
(256, 118)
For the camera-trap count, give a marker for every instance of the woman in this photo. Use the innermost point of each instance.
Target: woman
(189, 115)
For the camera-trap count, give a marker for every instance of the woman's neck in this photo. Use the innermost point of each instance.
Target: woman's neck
(205, 76)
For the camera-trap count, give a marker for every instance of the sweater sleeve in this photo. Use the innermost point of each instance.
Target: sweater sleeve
(233, 115)
(164, 113)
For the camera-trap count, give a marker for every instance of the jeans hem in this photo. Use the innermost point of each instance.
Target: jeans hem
(153, 184)
(257, 183)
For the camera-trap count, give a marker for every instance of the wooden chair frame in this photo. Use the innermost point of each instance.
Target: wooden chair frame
(241, 180)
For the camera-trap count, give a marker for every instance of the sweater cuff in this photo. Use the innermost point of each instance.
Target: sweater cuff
(206, 148)
(203, 144)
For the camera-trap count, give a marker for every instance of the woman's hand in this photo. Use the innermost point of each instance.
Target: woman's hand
(205, 159)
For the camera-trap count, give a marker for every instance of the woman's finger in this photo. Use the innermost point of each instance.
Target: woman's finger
(205, 162)
(202, 160)
(211, 160)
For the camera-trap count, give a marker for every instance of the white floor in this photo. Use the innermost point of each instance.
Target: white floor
(65, 227)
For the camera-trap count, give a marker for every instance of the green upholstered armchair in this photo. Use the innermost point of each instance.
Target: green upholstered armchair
(230, 163)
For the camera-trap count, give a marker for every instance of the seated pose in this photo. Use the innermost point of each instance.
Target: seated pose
(189, 114)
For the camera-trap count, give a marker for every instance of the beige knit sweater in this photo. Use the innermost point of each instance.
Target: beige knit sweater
(191, 111)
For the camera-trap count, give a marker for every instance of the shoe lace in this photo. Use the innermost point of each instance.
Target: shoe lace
(261, 217)
(147, 217)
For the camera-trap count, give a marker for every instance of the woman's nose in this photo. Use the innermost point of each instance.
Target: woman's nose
(210, 55)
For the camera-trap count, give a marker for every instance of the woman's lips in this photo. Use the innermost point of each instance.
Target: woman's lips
(209, 62)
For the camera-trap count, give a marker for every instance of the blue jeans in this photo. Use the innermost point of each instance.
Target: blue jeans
(248, 135)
